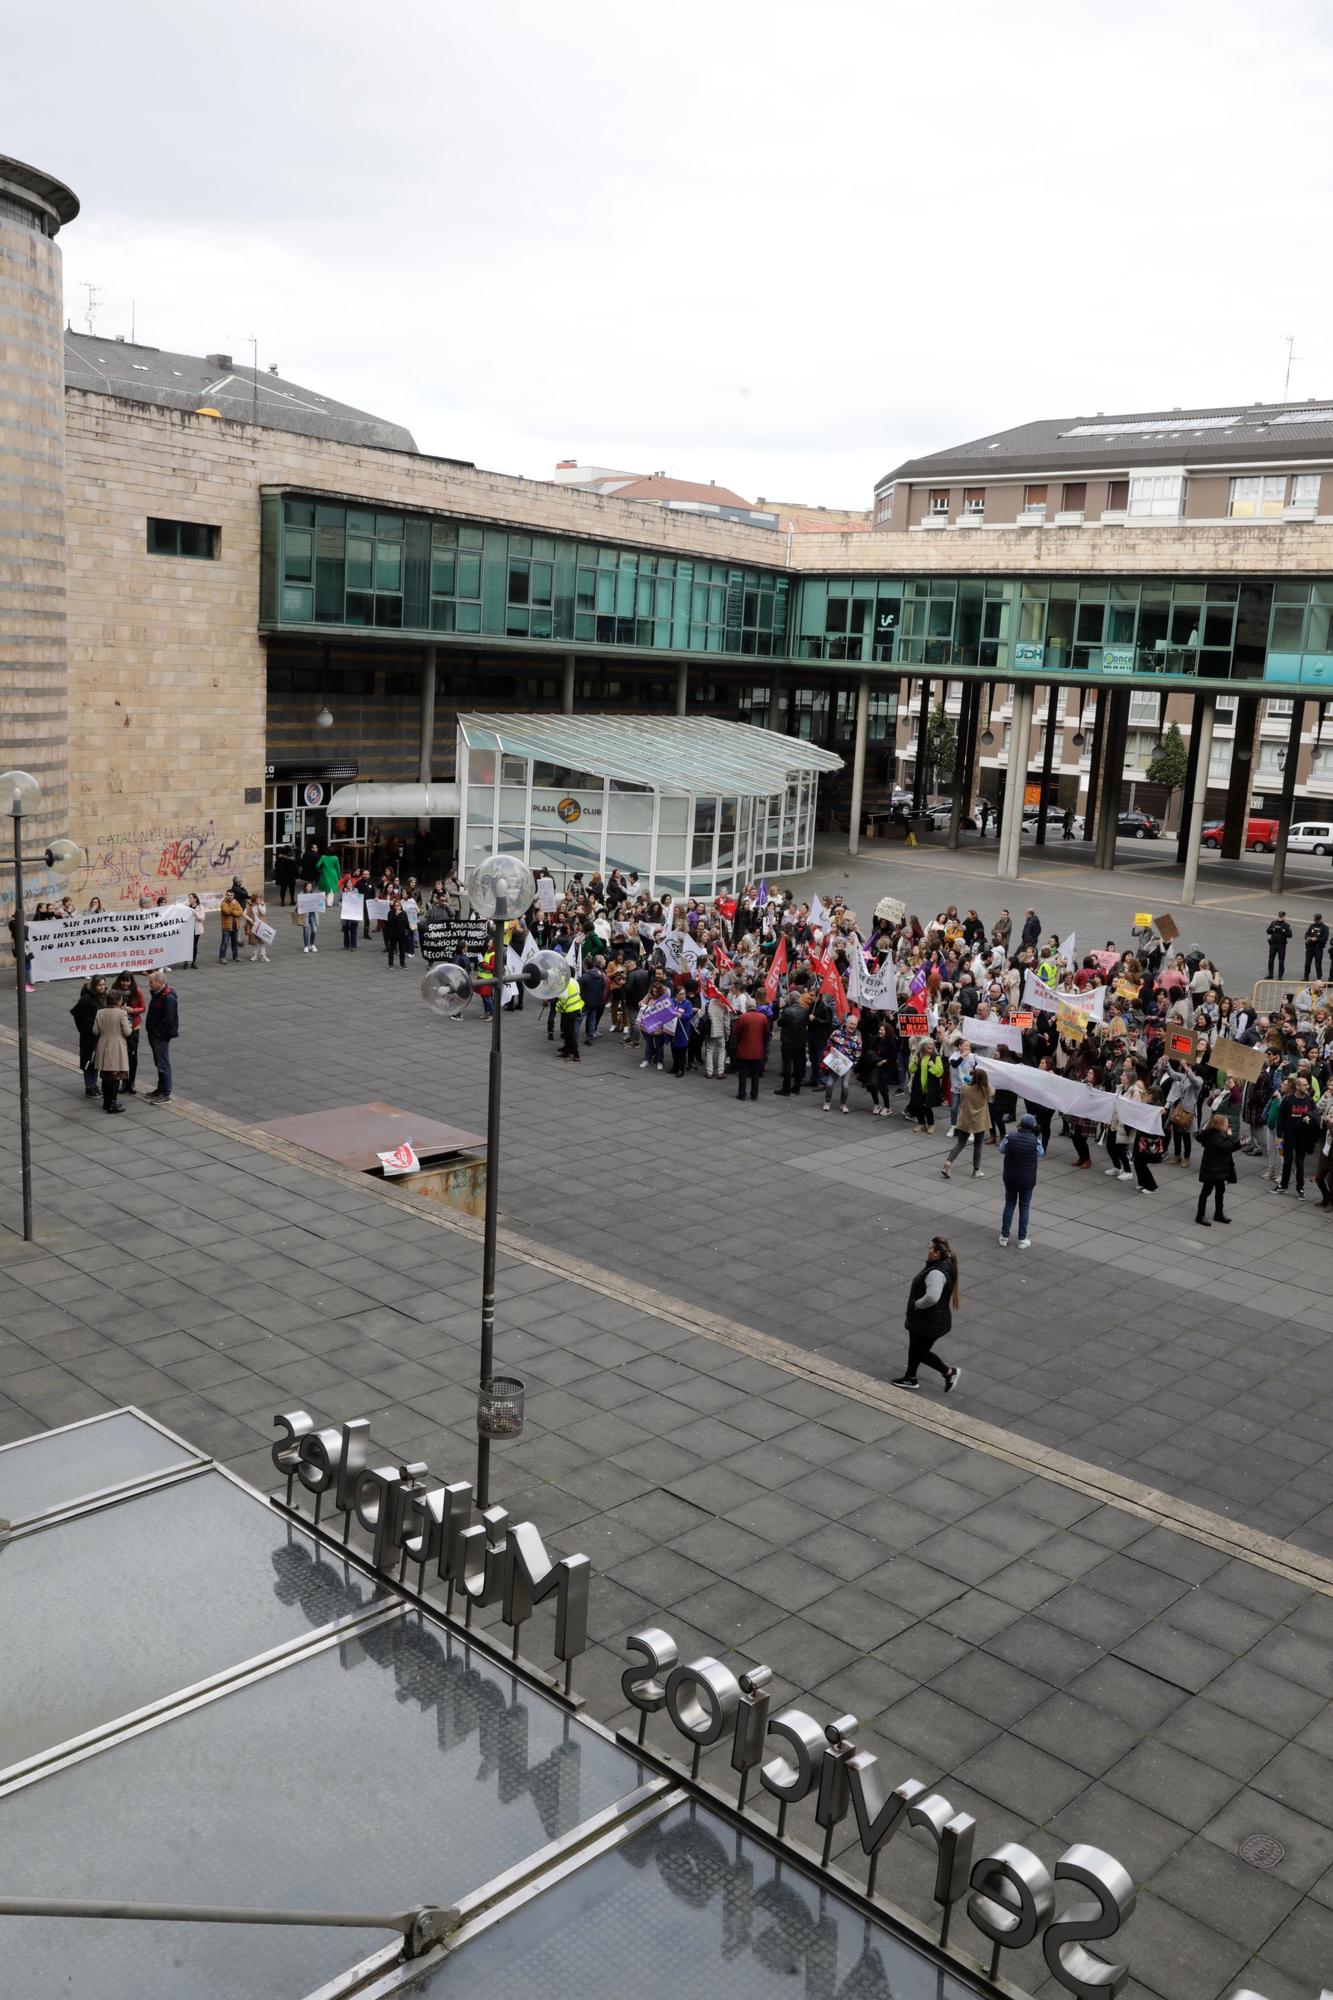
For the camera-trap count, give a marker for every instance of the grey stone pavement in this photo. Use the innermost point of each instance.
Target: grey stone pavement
(1199, 1363)
(1067, 1667)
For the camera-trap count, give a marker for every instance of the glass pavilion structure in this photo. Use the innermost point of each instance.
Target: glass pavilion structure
(694, 805)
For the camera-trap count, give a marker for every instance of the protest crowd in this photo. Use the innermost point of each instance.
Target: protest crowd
(1132, 1058)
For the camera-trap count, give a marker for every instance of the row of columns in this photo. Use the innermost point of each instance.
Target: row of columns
(1107, 763)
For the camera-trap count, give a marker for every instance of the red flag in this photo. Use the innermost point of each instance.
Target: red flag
(831, 983)
(711, 991)
(775, 972)
(727, 964)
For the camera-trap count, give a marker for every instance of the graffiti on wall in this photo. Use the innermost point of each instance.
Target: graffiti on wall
(157, 860)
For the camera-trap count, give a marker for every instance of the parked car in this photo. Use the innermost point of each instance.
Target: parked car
(1260, 835)
(1312, 836)
(1138, 826)
(940, 812)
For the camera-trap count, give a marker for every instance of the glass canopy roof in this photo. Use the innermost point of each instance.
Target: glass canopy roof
(217, 1707)
(669, 753)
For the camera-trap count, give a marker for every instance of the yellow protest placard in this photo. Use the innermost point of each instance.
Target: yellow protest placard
(1143, 920)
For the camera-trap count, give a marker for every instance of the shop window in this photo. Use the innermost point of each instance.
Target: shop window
(184, 538)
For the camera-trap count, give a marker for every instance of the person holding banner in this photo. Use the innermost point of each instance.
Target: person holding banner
(230, 911)
(309, 904)
(839, 1058)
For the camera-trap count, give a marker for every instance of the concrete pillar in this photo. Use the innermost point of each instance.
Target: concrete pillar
(1187, 789)
(1015, 777)
(1288, 794)
(567, 687)
(1198, 797)
(859, 763)
(1046, 758)
(775, 702)
(1094, 730)
(962, 763)
(427, 713)
(1240, 779)
(1113, 734)
(922, 734)
(34, 663)
(682, 690)
(426, 746)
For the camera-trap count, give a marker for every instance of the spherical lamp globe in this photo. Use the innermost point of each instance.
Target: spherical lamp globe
(501, 886)
(20, 793)
(547, 975)
(446, 990)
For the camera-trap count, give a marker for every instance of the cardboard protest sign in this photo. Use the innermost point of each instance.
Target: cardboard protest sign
(1125, 989)
(264, 932)
(1020, 1021)
(913, 1025)
(1167, 929)
(1182, 1045)
(1070, 1024)
(1240, 1063)
(111, 941)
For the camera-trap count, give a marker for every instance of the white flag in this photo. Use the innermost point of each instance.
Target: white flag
(818, 914)
(1067, 949)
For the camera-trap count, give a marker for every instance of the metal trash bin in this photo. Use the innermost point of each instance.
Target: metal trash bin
(500, 1407)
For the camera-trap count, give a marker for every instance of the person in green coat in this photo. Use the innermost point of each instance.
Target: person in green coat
(327, 873)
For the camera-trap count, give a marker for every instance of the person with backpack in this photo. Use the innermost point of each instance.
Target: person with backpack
(1021, 1152)
(932, 1300)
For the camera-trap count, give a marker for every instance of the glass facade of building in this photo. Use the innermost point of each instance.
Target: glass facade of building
(332, 567)
(357, 568)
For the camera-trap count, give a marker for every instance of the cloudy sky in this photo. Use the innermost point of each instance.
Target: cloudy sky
(778, 245)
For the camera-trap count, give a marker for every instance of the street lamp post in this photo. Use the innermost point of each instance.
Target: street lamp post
(23, 795)
(501, 888)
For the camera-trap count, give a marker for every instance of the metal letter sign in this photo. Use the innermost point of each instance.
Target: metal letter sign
(1011, 1895)
(411, 1517)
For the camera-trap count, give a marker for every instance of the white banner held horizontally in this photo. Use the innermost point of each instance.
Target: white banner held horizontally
(112, 941)
(1075, 1100)
(992, 1034)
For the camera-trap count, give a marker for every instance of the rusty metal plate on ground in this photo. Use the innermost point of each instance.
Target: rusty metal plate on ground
(355, 1134)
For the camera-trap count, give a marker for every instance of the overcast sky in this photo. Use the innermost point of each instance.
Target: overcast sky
(779, 245)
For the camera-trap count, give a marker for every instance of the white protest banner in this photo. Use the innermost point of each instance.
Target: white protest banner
(1075, 1100)
(264, 932)
(112, 941)
(836, 1063)
(353, 906)
(546, 895)
(1036, 993)
(669, 947)
(377, 908)
(410, 909)
(692, 950)
(992, 1034)
(311, 903)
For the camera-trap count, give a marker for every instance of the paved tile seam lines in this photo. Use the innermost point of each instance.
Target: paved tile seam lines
(1150, 1503)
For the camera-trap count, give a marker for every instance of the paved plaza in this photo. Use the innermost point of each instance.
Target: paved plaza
(1068, 1595)
(1198, 1363)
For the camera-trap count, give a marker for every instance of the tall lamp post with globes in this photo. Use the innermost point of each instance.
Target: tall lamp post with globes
(501, 889)
(22, 796)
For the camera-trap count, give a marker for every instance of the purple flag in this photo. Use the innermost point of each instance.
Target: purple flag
(761, 893)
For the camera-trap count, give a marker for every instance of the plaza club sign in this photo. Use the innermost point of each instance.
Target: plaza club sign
(1009, 1894)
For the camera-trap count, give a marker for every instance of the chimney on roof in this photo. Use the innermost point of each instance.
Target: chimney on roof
(218, 360)
(565, 464)
(272, 367)
(121, 338)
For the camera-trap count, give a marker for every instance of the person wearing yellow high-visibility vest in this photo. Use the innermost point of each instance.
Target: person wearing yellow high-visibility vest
(569, 1006)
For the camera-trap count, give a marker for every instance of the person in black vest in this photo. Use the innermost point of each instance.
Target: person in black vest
(1020, 1152)
(1316, 944)
(930, 1307)
(1279, 937)
(1216, 1168)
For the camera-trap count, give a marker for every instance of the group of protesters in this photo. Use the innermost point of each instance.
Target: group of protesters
(984, 1031)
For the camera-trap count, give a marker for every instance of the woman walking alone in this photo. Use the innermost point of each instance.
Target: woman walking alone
(931, 1302)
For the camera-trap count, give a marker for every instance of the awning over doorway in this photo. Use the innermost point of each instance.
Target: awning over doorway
(396, 801)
